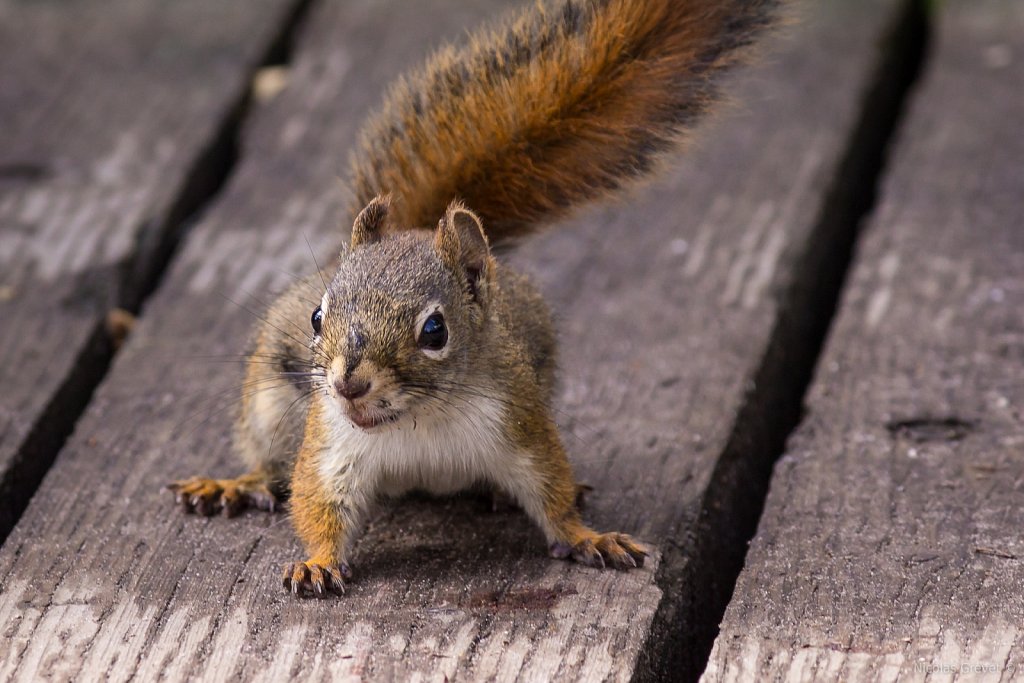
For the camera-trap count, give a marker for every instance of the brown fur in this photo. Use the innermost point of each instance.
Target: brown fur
(565, 104)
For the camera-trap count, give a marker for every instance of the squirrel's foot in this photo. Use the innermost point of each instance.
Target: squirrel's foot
(320, 580)
(205, 496)
(612, 549)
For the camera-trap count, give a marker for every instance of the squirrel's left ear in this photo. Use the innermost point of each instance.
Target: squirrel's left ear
(460, 240)
(372, 221)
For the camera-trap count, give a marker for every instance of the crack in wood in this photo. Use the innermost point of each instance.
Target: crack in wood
(925, 429)
(682, 636)
(156, 244)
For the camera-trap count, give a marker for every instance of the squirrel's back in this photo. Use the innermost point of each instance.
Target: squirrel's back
(565, 104)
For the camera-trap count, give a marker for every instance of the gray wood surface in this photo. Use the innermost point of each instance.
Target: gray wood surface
(891, 545)
(105, 108)
(666, 304)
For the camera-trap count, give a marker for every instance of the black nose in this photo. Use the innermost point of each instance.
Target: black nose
(352, 389)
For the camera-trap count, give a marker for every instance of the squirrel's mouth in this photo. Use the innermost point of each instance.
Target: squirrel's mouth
(367, 420)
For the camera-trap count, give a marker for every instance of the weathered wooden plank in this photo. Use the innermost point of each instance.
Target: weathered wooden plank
(106, 107)
(891, 543)
(666, 307)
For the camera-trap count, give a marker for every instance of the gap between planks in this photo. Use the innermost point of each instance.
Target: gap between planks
(199, 187)
(735, 497)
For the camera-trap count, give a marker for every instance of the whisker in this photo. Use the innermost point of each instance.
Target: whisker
(266, 320)
(273, 439)
(231, 404)
(467, 389)
(267, 306)
(318, 271)
(270, 363)
(302, 280)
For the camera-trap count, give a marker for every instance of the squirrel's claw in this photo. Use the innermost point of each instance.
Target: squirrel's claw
(619, 551)
(320, 580)
(204, 496)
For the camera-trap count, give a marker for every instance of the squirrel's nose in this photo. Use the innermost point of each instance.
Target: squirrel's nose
(352, 389)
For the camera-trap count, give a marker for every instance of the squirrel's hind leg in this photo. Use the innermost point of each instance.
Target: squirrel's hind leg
(555, 506)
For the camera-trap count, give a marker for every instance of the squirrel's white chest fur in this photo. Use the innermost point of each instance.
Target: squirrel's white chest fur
(440, 453)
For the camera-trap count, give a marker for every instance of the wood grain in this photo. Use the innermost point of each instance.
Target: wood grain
(666, 305)
(106, 109)
(891, 547)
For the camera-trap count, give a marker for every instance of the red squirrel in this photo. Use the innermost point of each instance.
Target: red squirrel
(433, 364)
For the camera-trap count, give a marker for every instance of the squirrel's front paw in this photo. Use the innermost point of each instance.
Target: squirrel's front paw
(205, 496)
(321, 580)
(603, 550)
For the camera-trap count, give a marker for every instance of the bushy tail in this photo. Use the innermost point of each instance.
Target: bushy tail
(567, 103)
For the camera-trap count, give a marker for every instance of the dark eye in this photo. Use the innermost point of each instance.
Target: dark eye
(434, 334)
(317, 320)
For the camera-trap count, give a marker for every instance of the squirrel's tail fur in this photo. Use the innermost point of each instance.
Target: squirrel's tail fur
(565, 104)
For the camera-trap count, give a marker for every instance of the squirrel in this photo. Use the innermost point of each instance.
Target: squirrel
(428, 364)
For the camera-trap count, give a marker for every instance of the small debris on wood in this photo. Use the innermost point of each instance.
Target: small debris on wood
(269, 82)
(119, 325)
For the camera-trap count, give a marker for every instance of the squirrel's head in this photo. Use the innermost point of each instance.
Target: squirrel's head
(396, 328)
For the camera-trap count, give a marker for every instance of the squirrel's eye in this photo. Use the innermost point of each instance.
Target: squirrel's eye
(317, 320)
(434, 334)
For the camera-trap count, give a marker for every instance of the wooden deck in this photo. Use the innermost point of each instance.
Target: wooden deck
(891, 544)
(868, 178)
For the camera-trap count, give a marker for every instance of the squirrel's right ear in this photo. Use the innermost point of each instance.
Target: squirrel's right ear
(372, 221)
(461, 241)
